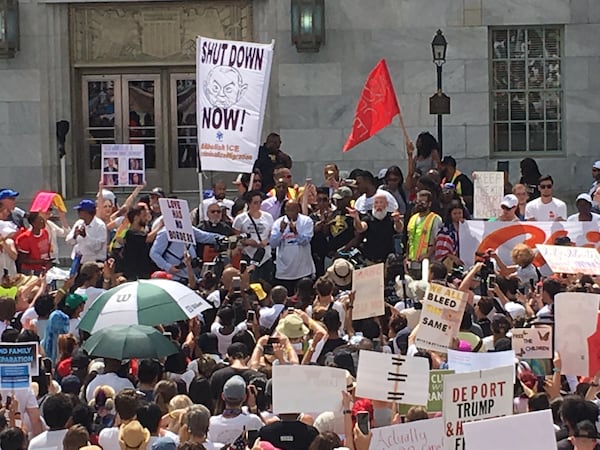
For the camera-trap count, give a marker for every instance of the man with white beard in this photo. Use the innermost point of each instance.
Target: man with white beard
(378, 227)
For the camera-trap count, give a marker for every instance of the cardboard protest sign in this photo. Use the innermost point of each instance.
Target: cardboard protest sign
(532, 343)
(232, 80)
(563, 259)
(17, 354)
(44, 200)
(575, 332)
(368, 283)
(436, 389)
(123, 164)
(177, 220)
(512, 432)
(307, 388)
(422, 434)
(392, 378)
(462, 362)
(441, 315)
(475, 396)
(488, 191)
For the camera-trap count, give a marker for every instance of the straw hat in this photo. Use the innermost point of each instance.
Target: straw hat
(133, 436)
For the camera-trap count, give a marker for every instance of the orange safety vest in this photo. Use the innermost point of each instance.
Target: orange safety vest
(419, 234)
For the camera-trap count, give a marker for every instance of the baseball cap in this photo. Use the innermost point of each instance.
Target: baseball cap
(268, 316)
(595, 166)
(585, 429)
(161, 274)
(510, 201)
(70, 384)
(157, 191)
(109, 195)
(235, 388)
(74, 300)
(381, 173)
(8, 193)
(585, 197)
(86, 205)
(342, 192)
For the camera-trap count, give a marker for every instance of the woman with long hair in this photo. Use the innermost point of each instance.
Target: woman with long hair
(530, 177)
(447, 242)
(393, 182)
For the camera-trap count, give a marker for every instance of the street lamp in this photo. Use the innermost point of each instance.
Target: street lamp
(308, 24)
(9, 28)
(439, 103)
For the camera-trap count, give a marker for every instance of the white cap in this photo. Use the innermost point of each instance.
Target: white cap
(510, 201)
(109, 195)
(596, 165)
(585, 197)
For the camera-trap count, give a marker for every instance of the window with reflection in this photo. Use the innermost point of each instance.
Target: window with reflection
(100, 127)
(526, 89)
(186, 131)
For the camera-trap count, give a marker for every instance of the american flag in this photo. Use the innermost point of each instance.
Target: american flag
(238, 444)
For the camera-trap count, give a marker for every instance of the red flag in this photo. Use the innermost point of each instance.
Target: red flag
(376, 108)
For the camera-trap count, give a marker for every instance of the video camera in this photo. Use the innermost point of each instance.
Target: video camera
(225, 243)
(486, 270)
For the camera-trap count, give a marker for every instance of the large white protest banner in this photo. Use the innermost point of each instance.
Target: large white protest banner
(307, 388)
(488, 190)
(392, 378)
(576, 332)
(123, 164)
(478, 236)
(232, 80)
(532, 343)
(368, 283)
(564, 259)
(512, 432)
(462, 362)
(422, 434)
(440, 317)
(475, 396)
(177, 220)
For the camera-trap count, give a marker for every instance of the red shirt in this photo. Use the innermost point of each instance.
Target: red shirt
(36, 247)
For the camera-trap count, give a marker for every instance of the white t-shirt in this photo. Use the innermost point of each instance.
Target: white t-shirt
(545, 212)
(111, 379)
(226, 431)
(26, 399)
(575, 217)
(243, 224)
(48, 440)
(364, 204)
(224, 340)
(92, 293)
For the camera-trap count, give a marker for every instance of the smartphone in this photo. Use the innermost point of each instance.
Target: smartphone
(8, 401)
(251, 437)
(268, 349)
(168, 335)
(273, 340)
(531, 284)
(491, 281)
(236, 284)
(538, 289)
(309, 181)
(243, 266)
(290, 310)
(250, 315)
(362, 420)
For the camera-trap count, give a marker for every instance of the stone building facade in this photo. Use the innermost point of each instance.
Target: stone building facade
(522, 76)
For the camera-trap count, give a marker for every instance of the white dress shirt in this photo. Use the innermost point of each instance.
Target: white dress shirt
(92, 246)
(294, 259)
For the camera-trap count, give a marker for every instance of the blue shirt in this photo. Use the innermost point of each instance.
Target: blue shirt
(58, 323)
(166, 254)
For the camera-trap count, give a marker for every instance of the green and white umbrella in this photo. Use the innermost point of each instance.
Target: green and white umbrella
(129, 341)
(143, 302)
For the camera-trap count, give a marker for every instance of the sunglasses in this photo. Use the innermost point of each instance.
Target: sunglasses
(545, 186)
(214, 211)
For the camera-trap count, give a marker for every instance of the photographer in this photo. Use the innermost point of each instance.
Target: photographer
(215, 223)
(168, 256)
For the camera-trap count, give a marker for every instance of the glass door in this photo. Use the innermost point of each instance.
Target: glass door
(121, 109)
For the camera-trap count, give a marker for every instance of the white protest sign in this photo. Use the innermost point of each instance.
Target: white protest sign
(480, 235)
(462, 362)
(422, 434)
(299, 388)
(563, 259)
(177, 220)
(488, 191)
(475, 396)
(512, 432)
(532, 343)
(576, 323)
(368, 283)
(232, 80)
(392, 378)
(123, 164)
(441, 315)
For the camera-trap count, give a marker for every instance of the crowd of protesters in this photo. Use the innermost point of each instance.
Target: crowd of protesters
(276, 264)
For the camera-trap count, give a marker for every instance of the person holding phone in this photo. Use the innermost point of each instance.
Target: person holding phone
(273, 350)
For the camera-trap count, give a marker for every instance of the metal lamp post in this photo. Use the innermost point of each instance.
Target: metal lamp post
(439, 103)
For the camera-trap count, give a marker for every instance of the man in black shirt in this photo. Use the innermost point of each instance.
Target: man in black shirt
(461, 182)
(378, 227)
(342, 235)
(136, 262)
(269, 157)
(321, 217)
